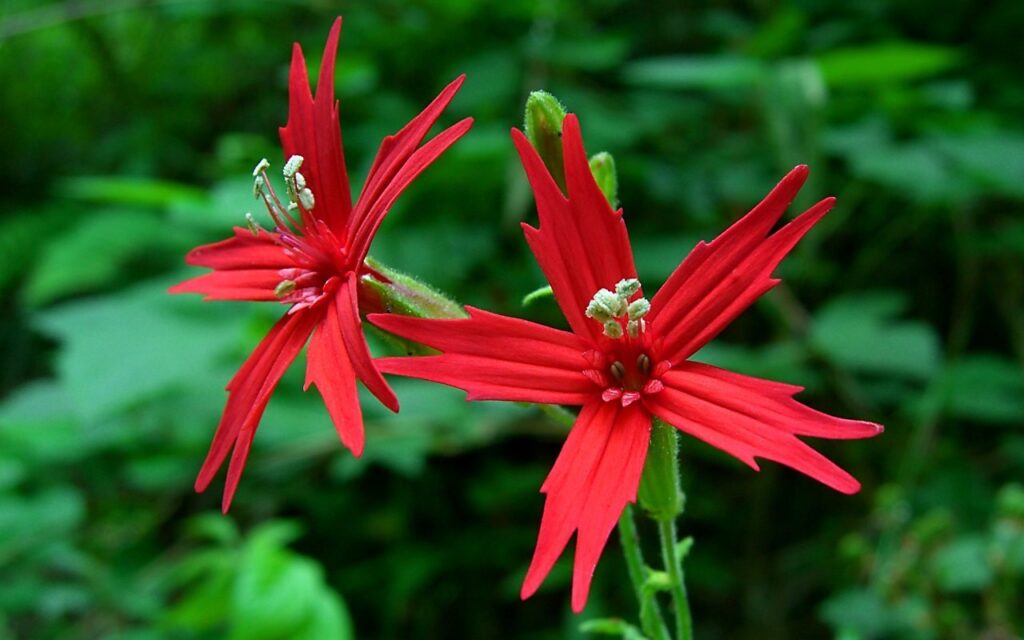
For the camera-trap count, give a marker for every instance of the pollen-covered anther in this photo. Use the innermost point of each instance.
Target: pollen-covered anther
(613, 329)
(292, 166)
(284, 288)
(306, 199)
(250, 222)
(261, 166)
(627, 287)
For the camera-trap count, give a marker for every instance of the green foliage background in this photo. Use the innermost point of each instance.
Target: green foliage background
(129, 130)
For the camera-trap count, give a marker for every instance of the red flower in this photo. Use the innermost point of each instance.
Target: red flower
(311, 260)
(626, 360)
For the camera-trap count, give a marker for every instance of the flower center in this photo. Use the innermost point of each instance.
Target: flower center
(625, 368)
(319, 256)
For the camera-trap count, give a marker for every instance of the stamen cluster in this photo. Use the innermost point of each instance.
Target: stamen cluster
(610, 308)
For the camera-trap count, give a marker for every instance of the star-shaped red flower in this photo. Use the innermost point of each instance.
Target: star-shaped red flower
(311, 261)
(626, 360)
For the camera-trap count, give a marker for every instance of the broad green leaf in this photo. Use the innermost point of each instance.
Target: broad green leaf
(96, 253)
(863, 333)
(121, 349)
(126, 190)
(986, 388)
(885, 63)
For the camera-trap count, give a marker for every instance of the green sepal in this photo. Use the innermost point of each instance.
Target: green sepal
(602, 166)
(612, 627)
(389, 291)
(537, 294)
(543, 125)
(660, 494)
(385, 290)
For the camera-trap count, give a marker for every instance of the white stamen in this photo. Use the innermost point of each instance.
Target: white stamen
(262, 166)
(306, 199)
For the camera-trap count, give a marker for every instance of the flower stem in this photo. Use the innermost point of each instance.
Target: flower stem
(674, 568)
(650, 613)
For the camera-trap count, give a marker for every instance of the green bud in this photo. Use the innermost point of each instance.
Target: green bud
(602, 166)
(390, 291)
(543, 125)
(659, 493)
(385, 290)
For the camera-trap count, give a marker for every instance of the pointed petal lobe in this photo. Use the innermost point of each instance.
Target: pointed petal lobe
(597, 473)
(370, 217)
(493, 357)
(314, 133)
(751, 418)
(249, 392)
(581, 244)
(721, 279)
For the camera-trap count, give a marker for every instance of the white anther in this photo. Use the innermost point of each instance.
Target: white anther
(300, 181)
(257, 186)
(306, 199)
(613, 329)
(262, 166)
(638, 308)
(627, 287)
(635, 327)
(292, 166)
(250, 222)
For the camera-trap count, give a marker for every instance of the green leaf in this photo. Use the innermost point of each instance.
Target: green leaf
(963, 565)
(95, 253)
(121, 349)
(862, 333)
(885, 63)
(695, 72)
(986, 388)
(127, 190)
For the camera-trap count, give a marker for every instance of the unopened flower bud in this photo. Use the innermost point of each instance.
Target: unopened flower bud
(543, 124)
(602, 167)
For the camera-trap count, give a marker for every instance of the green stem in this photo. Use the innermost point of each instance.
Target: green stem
(650, 613)
(674, 568)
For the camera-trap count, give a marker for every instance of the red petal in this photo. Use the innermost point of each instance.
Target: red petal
(248, 394)
(330, 369)
(248, 284)
(752, 418)
(597, 473)
(243, 251)
(313, 132)
(369, 219)
(493, 357)
(347, 305)
(719, 280)
(581, 244)
(394, 150)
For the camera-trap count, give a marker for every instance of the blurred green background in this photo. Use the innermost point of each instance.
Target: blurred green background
(130, 128)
